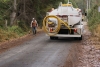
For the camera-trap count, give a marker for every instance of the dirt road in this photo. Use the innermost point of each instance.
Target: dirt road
(40, 51)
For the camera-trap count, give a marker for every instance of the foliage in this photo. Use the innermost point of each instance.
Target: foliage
(10, 33)
(23, 26)
(94, 18)
(27, 9)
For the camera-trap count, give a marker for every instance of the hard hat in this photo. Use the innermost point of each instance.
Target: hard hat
(33, 18)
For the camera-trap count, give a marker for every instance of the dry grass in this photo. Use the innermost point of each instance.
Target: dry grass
(97, 37)
(2, 35)
(97, 31)
(5, 36)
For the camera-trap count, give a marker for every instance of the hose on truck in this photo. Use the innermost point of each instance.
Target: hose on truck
(45, 20)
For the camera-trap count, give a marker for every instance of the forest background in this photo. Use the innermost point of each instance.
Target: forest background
(16, 15)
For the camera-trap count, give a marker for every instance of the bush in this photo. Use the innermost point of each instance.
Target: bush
(23, 26)
(94, 21)
(94, 18)
(10, 33)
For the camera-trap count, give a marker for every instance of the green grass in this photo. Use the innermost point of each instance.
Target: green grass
(10, 33)
(94, 21)
(94, 18)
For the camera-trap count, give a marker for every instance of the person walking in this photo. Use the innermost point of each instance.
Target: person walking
(34, 26)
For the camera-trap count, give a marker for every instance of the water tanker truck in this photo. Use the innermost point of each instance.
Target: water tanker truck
(65, 21)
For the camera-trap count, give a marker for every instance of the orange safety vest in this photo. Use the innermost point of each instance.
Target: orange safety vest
(34, 24)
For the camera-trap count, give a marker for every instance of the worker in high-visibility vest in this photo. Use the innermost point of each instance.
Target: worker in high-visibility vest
(34, 26)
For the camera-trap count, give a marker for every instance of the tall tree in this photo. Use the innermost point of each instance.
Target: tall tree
(13, 15)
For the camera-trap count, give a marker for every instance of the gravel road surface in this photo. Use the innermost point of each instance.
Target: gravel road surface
(40, 51)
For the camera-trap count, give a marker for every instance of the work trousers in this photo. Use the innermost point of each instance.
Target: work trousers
(34, 30)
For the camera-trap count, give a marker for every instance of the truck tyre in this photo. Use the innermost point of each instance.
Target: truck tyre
(53, 38)
(56, 37)
(80, 37)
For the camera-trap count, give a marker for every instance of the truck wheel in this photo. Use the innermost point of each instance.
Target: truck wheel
(80, 38)
(56, 37)
(53, 38)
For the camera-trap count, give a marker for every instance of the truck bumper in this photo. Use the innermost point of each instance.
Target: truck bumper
(64, 35)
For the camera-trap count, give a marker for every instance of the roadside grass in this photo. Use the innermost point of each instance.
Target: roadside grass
(97, 31)
(94, 21)
(11, 33)
(94, 26)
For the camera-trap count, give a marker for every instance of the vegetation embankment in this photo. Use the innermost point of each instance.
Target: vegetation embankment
(10, 33)
(94, 21)
(94, 18)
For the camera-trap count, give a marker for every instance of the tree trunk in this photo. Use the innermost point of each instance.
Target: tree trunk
(13, 15)
(6, 22)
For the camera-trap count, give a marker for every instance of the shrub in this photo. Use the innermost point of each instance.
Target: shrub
(23, 26)
(10, 33)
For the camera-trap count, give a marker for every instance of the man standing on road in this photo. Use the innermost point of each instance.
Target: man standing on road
(34, 25)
